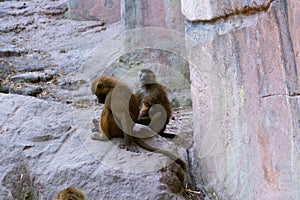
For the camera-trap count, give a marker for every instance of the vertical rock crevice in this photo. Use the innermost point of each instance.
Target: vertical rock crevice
(287, 48)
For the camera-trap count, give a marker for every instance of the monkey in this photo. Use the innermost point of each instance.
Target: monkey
(152, 114)
(150, 87)
(120, 113)
(120, 109)
(150, 110)
(70, 193)
(148, 102)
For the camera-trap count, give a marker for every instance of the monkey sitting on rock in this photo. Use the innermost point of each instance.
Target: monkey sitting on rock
(120, 114)
(150, 88)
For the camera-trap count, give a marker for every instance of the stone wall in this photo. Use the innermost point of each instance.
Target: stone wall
(107, 11)
(133, 14)
(246, 96)
(152, 13)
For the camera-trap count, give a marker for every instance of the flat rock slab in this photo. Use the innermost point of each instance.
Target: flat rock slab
(44, 151)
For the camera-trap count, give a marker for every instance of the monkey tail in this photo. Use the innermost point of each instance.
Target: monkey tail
(173, 157)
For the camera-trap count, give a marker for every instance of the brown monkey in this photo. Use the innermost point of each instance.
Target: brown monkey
(120, 109)
(120, 113)
(149, 87)
(151, 113)
(70, 193)
(144, 117)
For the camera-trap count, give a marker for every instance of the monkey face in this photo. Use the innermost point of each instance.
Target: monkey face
(101, 98)
(147, 77)
(149, 101)
(101, 92)
(102, 86)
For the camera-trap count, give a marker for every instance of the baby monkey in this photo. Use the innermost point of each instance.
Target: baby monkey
(144, 117)
(152, 114)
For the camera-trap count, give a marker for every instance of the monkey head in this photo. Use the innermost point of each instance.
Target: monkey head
(147, 76)
(102, 86)
(149, 101)
(100, 93)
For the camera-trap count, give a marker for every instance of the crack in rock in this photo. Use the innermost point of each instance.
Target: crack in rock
(287, 95)
(246, 11)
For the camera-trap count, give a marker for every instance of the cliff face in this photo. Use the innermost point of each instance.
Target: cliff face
(133, 14)
(246, 96)
(239, 58)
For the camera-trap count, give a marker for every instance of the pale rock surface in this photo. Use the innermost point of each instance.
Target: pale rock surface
(206, 10)
(43, 151)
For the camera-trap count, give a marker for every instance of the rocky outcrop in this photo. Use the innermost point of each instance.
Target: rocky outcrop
(107, 11)
(132, 14)
(46, 146)
(245, 92)
(33, 59)
(45, 141)
(152, 13)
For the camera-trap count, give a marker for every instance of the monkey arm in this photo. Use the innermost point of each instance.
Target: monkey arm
(158, 116)
(127, 127)
(156, 123)
(120, 107)
(139, 96)
(126, 123)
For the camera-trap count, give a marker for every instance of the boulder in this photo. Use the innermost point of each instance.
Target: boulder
(46, 147)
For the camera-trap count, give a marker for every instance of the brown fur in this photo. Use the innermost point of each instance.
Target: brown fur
(121, 110)
(150, 88)
(70, 193)
(144, 117)
(116, 113)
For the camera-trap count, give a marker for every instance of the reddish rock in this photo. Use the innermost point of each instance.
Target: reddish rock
(153, 13)
(149, 13)
(245, 89)
(104, 10)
